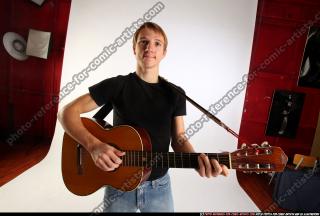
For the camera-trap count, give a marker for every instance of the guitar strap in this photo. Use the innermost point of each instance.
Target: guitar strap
(102, 113)
(203, 110)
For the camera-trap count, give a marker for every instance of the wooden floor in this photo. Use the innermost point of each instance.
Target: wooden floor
(21, 156)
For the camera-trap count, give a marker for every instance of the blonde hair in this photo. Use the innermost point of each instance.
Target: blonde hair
(153, 26)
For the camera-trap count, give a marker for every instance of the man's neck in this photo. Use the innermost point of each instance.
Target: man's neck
(148, 75)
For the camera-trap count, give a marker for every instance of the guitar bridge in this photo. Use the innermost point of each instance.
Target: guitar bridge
(79, 160)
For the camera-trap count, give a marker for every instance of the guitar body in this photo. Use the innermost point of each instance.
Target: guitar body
(82, 177)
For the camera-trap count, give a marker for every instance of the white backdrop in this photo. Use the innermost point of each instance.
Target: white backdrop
(209, 52)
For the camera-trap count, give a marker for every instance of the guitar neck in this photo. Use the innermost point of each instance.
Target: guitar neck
(169, 159)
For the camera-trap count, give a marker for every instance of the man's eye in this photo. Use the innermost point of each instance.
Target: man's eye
(158, 44)
(143, 42)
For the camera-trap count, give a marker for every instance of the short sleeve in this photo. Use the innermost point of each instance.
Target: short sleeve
(180, 107)
(106, 90)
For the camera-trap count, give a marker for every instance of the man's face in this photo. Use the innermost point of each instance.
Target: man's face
(149, 49)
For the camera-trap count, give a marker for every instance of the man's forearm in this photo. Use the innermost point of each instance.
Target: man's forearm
(71, 122)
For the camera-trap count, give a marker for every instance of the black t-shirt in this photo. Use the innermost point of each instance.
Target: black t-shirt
(151, 106)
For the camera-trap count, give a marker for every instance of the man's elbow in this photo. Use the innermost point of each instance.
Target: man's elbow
(64, 112)
(61, 114)
(176, 145)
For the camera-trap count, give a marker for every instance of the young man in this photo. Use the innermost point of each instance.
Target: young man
(139, 99)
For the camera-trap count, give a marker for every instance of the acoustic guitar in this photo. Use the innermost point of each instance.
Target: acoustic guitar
(82, 177)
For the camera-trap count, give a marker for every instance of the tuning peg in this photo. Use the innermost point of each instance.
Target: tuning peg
(254, 145)
(247, 172)
(265, 144)
(244, 146)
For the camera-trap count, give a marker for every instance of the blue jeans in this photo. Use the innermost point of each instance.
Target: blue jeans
(150, 196)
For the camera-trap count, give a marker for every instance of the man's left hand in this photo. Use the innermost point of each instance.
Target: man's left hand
(211, 168)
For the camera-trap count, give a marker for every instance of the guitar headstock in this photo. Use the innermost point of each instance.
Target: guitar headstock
(264, 158)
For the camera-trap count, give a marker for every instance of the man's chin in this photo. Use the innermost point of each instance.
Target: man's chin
(149, 64)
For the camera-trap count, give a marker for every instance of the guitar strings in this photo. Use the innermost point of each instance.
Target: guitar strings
(170, 159)
(176, 156)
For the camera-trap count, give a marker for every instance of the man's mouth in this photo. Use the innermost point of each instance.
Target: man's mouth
(148, 56)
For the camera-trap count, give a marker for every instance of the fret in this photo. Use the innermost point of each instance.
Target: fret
(191, 159)
(180, 159)
(156, 159)
(195, 162)
(128, 158)
(142, 159)
(162, 159)
(123, 160)
(147, 161)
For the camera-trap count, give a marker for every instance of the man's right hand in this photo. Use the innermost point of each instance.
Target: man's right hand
(105, 156)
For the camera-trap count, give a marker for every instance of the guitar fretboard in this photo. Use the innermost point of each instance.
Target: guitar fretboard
(169, 159)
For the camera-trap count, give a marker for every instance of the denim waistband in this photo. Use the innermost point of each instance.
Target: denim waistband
(155, 182)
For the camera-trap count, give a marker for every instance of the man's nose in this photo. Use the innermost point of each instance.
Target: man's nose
(149, 47)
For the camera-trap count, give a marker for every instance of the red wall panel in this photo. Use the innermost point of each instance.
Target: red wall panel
(3, 113)
(277, 21)
(26, 86)
(259, 95)
(29, 15)
(271, 37)
(25, 106)
(4, 68)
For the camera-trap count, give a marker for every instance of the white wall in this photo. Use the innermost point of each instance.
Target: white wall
(209, 51)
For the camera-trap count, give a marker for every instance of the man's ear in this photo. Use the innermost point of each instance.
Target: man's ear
(164, 53)
(134, 50)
